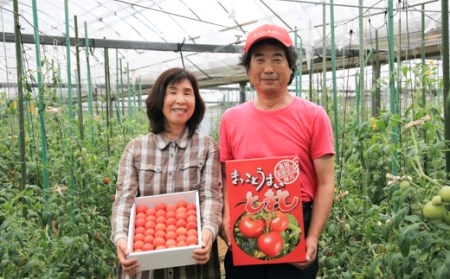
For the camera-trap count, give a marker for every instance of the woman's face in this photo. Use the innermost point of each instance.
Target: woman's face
(179, 104)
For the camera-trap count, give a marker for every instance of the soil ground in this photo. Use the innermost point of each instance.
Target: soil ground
(222, 250)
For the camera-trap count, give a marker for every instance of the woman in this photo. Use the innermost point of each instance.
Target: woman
(173, 157)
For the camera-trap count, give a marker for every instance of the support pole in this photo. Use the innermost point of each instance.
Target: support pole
(333, 66)
(324, 58)
(88, 70)
(446, 81)
(362, 90)
(41, 100)
(23, 166)
(69, 80)
(80, 105)
(392, 103)
(376, 73)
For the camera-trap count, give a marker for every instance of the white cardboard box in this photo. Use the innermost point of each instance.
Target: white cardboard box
(170, 257)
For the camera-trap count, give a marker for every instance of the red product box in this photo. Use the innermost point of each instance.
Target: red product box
(266, 216)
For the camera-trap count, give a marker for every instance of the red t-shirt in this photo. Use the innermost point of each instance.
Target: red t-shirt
(302, 128)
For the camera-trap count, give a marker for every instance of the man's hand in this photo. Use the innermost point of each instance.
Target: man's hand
(130, 267)
(224, 231)
(311, 253)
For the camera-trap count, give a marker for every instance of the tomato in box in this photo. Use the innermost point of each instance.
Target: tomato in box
(159, 254)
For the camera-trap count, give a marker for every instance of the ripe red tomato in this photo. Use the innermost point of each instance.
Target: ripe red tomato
(158, 241)
(171, 228)
(161, 206)
(138, 245)
(160, 212)
(181, 203)
(191, 232)
(150, 218)
(161, 219)
(171, 243)
(181, 237)
(161, 247)
(160, 234)
(141, 208)
(191, 219)
(106, 180)
(149, 239)
(160, 227)
(140, 215)
(139, 223)
(270, 243)
(171, 207)
(150, 211)
(149, 224)
(170, 214)
(139, 230)
(191, 206)
(181, 231)
(280, 222)
(191, 225)
(191, 212)
(250, 227)
(148, 247)
(170, 235)
(180, 223)
(138, 236)
(192, 240)
(181, 210)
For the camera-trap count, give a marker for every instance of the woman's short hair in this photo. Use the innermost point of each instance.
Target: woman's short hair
(155, 100)
(291, 55)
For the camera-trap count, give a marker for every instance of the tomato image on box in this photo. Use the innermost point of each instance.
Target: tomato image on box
(266, 215)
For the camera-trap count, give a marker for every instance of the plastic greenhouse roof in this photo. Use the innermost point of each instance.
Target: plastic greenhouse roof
(181, 23)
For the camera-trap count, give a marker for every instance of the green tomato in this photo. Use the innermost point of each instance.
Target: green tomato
(445, 193)
(437, 200)
(433, 212)
(446, 218)
(347, 227)
(404, 184)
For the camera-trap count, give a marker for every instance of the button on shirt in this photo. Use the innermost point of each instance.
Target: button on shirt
(153, 165)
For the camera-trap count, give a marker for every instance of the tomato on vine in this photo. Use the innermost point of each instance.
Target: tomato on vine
(280, 222)
(270, 243)
(251, 226)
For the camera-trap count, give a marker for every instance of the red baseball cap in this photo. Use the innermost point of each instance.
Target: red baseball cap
(268, 31)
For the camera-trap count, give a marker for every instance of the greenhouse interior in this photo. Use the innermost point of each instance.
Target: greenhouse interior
(75, 76)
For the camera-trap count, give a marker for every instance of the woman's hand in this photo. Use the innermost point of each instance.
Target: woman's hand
(130, 267)
(202, 255)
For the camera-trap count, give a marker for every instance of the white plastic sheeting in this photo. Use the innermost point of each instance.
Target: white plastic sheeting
(221, 22)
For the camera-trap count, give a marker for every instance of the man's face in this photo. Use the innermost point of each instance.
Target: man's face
(269, 70)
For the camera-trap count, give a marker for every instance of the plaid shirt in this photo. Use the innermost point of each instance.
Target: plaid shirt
(153, 165)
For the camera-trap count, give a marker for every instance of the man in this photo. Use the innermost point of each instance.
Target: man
(276, 123)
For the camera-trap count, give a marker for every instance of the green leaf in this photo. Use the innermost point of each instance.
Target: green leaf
(405, 71)
(395, 264)
(398, 217)
(413, 218)
(405, 238)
